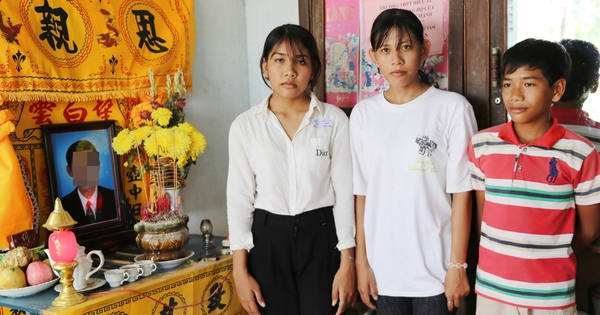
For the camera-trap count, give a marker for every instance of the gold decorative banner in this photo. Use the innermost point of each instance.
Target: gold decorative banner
(70, 50)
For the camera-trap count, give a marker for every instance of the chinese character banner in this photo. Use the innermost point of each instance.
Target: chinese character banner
(70, 50)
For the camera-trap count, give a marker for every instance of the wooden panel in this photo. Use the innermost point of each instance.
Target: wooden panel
(497, 39)
(312, 17)
(318, 30)
(304, 13)
(477, 56)
(456, 45)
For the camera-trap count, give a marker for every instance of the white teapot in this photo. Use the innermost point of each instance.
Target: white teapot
(84, 271)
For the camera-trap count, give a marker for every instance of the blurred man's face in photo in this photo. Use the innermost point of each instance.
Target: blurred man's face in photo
(85, 168)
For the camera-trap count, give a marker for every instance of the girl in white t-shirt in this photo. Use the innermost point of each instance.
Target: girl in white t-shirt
(411, 180)
(290, 205)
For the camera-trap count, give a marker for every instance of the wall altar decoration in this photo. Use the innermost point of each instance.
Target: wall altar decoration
(76, 50)
(28, 142)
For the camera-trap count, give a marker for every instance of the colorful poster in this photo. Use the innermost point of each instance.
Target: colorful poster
(434, 16)
(341, 52)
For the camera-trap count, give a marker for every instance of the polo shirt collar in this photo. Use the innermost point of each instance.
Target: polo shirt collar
(555, 133)
(263, 108)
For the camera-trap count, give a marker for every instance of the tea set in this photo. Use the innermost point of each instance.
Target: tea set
(115, 277)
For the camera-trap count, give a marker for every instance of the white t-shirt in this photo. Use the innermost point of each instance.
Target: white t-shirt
(269, 171)
(407, 160)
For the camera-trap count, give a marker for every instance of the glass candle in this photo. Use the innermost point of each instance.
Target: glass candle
(63, 246)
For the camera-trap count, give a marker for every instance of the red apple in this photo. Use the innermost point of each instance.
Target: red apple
(38, 272)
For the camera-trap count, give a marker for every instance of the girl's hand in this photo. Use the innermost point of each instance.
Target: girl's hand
(344, 285)
(456, 286)
(367, 286)
(248, 292)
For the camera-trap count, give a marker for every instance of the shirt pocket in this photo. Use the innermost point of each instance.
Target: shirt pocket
(320, 155)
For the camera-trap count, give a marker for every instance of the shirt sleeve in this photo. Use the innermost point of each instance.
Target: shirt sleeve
(356, 146)
(462, 128)
(587, 187)
(241, 188)
(341, 178)
(477, 176)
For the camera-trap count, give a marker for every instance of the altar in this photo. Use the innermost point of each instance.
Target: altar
(195, 287)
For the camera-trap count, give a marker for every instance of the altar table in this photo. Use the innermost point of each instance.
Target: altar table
(192, 283)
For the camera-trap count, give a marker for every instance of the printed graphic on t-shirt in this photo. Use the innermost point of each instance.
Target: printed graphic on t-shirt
(426, 146)
(424, 162)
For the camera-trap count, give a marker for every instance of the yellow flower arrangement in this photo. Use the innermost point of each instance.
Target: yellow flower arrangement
(157, 133)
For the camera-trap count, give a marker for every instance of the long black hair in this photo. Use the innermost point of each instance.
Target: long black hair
(296, 37)
(403, 22)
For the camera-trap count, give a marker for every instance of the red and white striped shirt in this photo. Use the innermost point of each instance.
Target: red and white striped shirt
(531, 191)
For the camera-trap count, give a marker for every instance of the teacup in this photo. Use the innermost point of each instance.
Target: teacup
(134, 271)
(116, 277)
(148, 266)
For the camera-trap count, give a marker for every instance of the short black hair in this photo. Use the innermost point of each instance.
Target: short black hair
(549, 57)
(585, 61)
(296, 37)
(81, 145)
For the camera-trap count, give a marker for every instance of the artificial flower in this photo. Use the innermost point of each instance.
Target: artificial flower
(162, 116)
(141, 114)
(122, 143)
(158, 139)
(198, 140)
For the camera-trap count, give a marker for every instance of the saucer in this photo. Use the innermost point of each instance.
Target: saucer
(169, 264)
(92, 283)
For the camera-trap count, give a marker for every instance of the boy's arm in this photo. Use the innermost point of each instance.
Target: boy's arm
(480, 197)
(587, 226)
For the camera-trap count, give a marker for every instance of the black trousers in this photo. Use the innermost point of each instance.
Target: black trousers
(294, 260)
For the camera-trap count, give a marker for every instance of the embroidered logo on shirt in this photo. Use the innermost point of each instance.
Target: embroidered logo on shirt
(323, 123)
(426, 147)
(553, 171)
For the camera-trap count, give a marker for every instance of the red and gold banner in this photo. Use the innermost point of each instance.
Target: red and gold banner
(82, 50)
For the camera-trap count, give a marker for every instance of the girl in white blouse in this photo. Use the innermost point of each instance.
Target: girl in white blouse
(290, 205)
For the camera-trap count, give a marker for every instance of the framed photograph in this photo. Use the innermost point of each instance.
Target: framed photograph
(84, 172)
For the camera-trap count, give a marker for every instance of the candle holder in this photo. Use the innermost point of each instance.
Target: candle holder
(209, 249)
(63, 247)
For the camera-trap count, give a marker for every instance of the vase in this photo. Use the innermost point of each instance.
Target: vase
(163, 240)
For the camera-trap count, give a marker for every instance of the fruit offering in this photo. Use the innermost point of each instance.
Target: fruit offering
(12, 278)
(38, 272)
(18, 257)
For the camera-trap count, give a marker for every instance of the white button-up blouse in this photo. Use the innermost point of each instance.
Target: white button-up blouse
(269, 171)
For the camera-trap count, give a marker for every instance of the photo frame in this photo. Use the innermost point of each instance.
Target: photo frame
(84, 172)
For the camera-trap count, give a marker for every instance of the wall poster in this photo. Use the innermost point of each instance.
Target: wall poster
(341, 52)
(350, 73)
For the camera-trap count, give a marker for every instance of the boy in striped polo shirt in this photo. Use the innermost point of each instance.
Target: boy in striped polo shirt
(538, 191)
